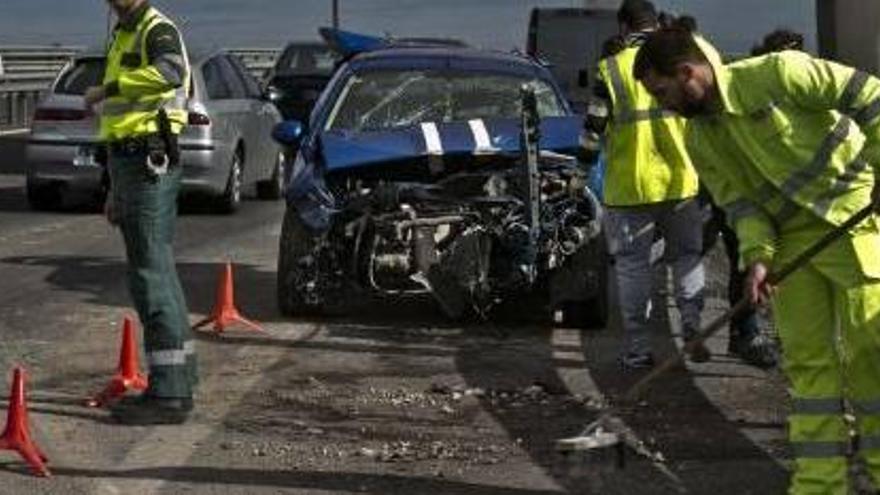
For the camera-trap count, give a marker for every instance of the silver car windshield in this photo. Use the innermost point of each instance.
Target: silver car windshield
(387, 99)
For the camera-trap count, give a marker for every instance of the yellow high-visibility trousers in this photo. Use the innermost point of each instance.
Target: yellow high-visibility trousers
(828, 318)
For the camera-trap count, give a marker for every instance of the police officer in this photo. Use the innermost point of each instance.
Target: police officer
(142, 106)
(789, 146)
(649, 185)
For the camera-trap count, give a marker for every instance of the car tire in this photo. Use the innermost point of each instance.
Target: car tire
(230, 200)
(271, 189)
(43, 197)
(295, 242)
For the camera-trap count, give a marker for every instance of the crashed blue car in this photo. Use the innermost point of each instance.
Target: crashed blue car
(441, 170)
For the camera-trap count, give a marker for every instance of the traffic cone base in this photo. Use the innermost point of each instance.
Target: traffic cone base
(16, 436)
(128, 375)
(225, 313)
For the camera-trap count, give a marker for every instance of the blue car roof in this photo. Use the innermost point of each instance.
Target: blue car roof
(467, 59)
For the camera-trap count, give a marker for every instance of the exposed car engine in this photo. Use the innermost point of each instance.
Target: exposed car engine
(494, 227)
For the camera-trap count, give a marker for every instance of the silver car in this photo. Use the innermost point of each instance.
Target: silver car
(226, 148)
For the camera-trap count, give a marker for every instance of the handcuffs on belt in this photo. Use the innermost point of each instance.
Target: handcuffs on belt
(157, 163)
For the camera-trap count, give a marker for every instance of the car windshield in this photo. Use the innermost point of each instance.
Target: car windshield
(84, 74)
(307, 60)
(387, 99)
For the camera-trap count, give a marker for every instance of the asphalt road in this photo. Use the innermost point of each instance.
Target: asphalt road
(390, 399)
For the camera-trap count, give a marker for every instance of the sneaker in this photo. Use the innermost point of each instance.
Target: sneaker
(632, 361)
(698, 353)
(758, 351)
(148, 410)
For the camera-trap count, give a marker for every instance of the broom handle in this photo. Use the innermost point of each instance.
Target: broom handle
(774, 278)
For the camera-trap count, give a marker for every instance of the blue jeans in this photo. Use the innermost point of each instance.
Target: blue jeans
(630, 233)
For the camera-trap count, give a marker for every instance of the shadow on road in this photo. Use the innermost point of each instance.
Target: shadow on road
(101, 280)
(305, 480)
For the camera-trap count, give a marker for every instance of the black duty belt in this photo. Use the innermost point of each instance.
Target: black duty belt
(137, 145)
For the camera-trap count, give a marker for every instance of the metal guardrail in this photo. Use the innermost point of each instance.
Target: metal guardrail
(27, 71)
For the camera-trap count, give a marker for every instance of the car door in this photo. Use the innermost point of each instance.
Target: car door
(241, 110)
(221, 109)
(262, 118)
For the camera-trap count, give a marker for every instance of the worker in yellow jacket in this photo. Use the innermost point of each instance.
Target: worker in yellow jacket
(789, 146)
(649, 186)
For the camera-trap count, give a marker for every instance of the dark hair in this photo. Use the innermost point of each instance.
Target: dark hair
(664, 50)
(686, 22)
(637, 14)
(779, 40)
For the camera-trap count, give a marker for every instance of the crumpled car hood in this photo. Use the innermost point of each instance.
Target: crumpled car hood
(348, 150)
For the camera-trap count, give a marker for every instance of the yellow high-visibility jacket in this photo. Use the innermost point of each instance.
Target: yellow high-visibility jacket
(645, 151)
(141, 89)
(796, 137)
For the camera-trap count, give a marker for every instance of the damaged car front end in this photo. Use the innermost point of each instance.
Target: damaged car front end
(447, 172)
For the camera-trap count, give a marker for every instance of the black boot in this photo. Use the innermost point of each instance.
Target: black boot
(148, 410)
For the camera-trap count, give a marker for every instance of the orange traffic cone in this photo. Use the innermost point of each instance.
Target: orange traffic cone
(128, 375)
(17, 435)
(224, 312)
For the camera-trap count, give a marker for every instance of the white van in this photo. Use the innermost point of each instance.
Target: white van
(570, 41)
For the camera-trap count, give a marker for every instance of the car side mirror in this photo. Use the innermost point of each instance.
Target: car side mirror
(288, 133)
(583, 78)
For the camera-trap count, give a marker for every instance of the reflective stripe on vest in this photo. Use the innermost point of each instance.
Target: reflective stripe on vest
(864, 115)
(867, 114)
(842, 184)
(623, 108)
(867, 407)
(739, 209)
(821, 159)
(819, 450)
(830, 405)
(869, 443)
(855, 86)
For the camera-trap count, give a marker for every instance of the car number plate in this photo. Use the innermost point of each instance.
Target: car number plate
(85, 157)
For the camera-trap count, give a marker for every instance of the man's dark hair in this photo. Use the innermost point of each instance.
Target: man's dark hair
(637, 14)
(664, 50)
(686, 22)
(779, 40)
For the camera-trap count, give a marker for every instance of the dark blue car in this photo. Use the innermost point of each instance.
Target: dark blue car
(444, 170)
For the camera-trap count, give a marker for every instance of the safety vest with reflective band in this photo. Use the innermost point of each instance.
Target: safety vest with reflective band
(796, 134)
(143, 89)
(646, 157)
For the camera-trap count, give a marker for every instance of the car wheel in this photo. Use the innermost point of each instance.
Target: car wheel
(271, 189)
(230, 200)
(296, 243)
(43, 197)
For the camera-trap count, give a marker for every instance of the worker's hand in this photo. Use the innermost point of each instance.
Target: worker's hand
(94, 95)
(758, 291)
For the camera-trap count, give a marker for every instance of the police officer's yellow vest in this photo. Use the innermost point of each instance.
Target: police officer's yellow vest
(645, 150)
(127, 116)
